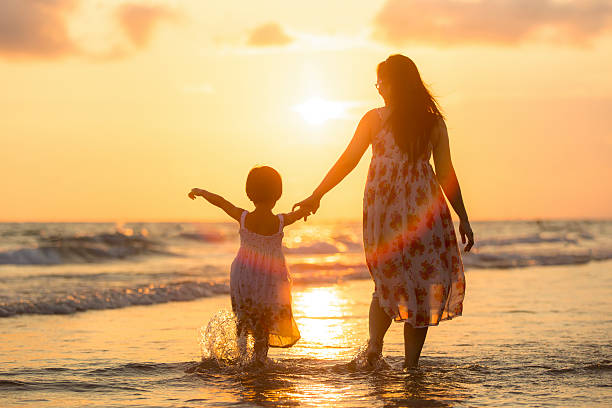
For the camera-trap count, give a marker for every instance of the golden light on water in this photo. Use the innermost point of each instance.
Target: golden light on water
(319, 314)
(322, 302)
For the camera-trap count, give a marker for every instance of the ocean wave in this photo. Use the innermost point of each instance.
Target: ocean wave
(320, 247)
(475, 259)
(537, 238)
(115, 298)
(330, 276)
(213, 237)
(595, 367)
(75, 386)
(517, 259)
(56, 250)
(324, 266)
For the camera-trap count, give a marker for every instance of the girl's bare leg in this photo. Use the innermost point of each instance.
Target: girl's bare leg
(413, 344)
(241, 340)
(260, 348)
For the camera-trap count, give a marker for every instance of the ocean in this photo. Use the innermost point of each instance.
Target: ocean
(102, 314)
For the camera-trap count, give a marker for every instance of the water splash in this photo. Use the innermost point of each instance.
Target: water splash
(363, 362)
(220, 344)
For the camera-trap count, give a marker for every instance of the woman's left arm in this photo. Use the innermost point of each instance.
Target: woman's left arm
(447, 178)
(347, 161)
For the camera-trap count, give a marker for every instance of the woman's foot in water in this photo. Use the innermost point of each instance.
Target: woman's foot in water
(373, 356)
(410, 366)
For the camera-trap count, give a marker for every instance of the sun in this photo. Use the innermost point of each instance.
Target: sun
(316, 111)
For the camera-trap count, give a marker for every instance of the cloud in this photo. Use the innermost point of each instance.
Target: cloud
(35, 28)
(38, 29)
(138, 21)
(269, 34)
(456, 22)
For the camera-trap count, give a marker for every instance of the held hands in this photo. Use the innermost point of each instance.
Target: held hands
(311, 204)
(466, 233)
(194, 193)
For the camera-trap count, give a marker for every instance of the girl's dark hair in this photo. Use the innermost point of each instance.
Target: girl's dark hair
(264, 184)
(414, 111)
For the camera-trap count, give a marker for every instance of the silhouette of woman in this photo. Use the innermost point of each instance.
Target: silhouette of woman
(409, 238)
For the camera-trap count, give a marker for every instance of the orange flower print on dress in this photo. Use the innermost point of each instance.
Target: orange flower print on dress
(421, 294)
(384, 188)
(421, 198)
(416, 247)
(396, 221)
(392, 195)
(427, 270)
(389, 270)
(421, 318)
(438, 293)
(394, 170)
(412, 222)
(385, 291)
(406, 169)
(382, 171)
(444, 260)
(437, 242)
(372, 175)
(429, 219)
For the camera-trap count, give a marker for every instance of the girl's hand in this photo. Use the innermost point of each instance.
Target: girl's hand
(194, 193)
(311, 204)
(465, 230)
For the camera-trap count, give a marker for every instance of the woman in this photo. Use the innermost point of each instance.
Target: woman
(409, 239)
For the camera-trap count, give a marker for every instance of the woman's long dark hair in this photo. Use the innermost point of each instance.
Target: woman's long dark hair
(414, 111)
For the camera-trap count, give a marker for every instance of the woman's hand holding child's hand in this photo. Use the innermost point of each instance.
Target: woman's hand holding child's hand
(311, 205)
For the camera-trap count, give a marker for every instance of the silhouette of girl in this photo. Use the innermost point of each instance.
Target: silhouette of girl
(260, 284)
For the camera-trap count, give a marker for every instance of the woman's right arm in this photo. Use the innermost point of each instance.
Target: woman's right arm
(447, 178)
(347, 161)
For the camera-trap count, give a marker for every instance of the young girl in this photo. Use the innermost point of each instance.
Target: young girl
(260, 286)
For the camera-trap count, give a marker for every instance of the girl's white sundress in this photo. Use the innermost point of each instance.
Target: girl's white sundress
(260, 287)
(409, 237)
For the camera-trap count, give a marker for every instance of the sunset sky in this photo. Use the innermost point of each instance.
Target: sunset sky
(113, 110)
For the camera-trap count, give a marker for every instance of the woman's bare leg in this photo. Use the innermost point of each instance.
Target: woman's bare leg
(413, 344)
(379, 323)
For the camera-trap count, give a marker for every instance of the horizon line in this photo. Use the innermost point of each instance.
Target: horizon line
(323, 220)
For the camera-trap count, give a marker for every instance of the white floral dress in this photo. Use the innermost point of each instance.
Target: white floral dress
(260, 287)
(409, 238)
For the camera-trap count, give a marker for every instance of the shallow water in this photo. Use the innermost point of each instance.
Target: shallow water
(63, 268)
(537, 336)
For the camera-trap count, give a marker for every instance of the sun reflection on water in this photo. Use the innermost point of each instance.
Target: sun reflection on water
(319, 313)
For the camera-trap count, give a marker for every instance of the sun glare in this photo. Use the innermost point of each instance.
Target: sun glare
(319, 314)
(316, 111)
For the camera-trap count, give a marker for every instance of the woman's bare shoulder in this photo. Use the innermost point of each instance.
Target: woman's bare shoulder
(372, 114)
(438, 131)
(373, 118)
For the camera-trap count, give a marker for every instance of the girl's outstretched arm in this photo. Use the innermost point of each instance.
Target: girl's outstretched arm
(293, 216)
(217, 200)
